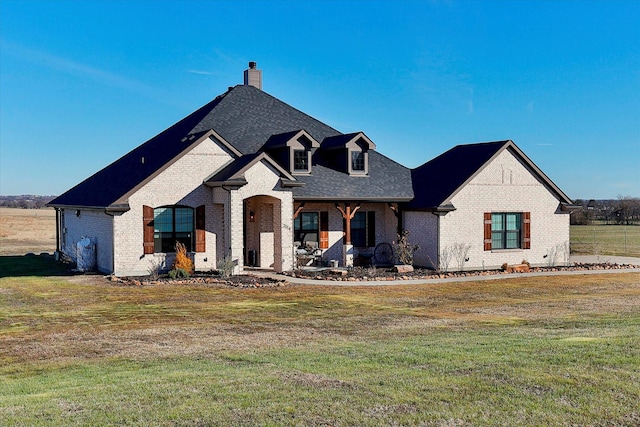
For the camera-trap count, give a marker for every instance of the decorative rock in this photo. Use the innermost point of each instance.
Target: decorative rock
(403, 268)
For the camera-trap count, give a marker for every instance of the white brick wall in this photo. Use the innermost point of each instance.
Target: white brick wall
(180, 184)
(423, 231)
(94, 224)
(263, 188)
(505, 185)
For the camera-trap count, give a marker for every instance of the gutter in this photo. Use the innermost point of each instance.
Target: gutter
(353, 199)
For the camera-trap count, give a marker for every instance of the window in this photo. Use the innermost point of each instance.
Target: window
(171, 225)
(300, 161)
(305, 227)
(357, 161)
(363, 232)
(506, 230)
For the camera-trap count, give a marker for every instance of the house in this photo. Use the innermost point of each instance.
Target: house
(249, 178)
(488, 204)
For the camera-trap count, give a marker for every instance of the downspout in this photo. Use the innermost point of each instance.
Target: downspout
(437, 266)
(113, 241)
(58, 249)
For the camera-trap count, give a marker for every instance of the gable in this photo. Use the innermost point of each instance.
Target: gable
(110, 187)
(436, 182)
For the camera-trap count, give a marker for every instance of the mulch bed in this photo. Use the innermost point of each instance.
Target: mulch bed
(204, 279)
(355, 274)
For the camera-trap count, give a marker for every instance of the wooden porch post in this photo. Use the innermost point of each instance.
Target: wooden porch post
(347, 215)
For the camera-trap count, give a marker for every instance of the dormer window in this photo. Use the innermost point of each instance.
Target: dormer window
(357, 161)
(292, 150)
(351, 152)
(301, 160)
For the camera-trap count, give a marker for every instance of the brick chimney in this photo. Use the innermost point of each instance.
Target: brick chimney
(253, 76)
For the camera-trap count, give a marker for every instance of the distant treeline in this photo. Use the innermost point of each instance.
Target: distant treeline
(25, 201)
(625, 210)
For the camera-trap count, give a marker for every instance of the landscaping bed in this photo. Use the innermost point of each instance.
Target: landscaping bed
(207, 279)
(381, 274)
(355, 274)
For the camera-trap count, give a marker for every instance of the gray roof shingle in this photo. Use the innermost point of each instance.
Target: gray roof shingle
(246, 117)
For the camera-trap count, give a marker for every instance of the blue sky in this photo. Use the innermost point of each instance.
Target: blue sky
(84, 82)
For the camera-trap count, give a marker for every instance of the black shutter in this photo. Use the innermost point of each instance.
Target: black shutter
(371, 228)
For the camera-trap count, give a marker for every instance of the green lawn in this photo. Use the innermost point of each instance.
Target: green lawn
(560, 350)
(606, 240)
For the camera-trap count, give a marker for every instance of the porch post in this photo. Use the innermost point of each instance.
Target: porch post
(236, 226)
(347, 249)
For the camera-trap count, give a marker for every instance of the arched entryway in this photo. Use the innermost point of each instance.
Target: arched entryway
(262, 232)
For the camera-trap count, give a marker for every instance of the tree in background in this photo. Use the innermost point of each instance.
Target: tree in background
(627, 210)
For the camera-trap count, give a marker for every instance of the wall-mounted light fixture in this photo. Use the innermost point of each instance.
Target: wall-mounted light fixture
(78, 212)
(252, 216)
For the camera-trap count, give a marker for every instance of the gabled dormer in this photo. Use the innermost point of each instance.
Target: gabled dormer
(293, 150)
(351, 152)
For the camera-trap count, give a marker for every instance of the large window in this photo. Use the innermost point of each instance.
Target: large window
(506, 230)
(170, 225)
(363, 232)
(306, 227)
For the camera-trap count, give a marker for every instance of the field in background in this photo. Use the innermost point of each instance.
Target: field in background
(27, 230)
(622, 240)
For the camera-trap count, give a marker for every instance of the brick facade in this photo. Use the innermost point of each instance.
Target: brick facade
(95, 224)
(504, 185)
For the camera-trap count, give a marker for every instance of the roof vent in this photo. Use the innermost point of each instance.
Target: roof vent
(253, 76)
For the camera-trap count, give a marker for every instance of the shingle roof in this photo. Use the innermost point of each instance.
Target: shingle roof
(246, 117)
(438, 180)
(235, 170)
(387, 180)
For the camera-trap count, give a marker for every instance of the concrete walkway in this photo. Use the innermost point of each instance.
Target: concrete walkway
(583, 259)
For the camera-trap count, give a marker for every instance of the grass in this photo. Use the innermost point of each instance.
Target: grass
(606, 240)
(27, 230)
(559, 350)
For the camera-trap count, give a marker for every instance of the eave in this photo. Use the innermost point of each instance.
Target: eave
(565, 207)
(232, 183)
(326, 199)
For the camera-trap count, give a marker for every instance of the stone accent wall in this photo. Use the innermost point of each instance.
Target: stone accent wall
(92, 223)
(179, 184)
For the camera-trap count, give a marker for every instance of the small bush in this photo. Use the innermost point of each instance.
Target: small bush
(226, 266)
(179, 273)
(155, 266)
(404, 249)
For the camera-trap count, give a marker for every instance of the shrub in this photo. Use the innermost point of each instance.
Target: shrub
(182, 260)
(178, 273)
(404, 249)
(155, 266)
(226, 266)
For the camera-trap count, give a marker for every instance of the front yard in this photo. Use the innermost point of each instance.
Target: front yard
(520, 351)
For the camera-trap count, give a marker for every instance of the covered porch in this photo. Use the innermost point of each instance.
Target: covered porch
(344, 234)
